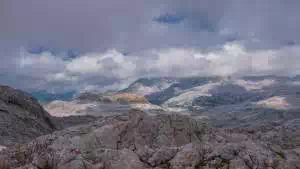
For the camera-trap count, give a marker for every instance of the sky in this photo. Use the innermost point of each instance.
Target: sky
(62, 45)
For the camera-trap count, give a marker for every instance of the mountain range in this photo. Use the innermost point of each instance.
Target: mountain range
(222, 101)
(248, 122)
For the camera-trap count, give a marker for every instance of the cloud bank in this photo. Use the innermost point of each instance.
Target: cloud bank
(112, 70)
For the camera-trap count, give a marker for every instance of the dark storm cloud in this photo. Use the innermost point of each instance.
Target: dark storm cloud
(95, 25)
(86, 25)
(99, 25)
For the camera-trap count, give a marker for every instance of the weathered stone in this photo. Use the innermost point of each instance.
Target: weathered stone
(136, 143)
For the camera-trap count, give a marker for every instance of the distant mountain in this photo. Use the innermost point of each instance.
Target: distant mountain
(157, 90)
(45, 97)
(223, 92)
(223, 101)
(176, 88)
(249, 100)
(187, 91)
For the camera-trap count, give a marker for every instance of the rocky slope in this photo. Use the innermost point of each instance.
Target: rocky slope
(140, 141)
(22, 118)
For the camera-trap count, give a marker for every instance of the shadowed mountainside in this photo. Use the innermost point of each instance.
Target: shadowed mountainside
(22, 118)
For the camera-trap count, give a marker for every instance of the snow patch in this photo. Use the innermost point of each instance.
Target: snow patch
(146, 107)
(64, 108)
(175, 109)
(275, 102)
(2, 148)
(187, 97)
(143, 90)
(255, 85)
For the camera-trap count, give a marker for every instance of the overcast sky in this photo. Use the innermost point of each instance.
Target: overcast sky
(63, 45)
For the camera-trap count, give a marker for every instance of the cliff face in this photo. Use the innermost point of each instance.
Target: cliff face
(22, 118)
(140, 141)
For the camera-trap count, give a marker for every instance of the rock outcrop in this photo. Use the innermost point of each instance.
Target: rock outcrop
(141, 141)
(22, 118)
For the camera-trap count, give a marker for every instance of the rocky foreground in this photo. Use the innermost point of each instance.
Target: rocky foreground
(139, 141)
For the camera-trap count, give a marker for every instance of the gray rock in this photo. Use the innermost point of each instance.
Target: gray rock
(22, 118)
(148, 142)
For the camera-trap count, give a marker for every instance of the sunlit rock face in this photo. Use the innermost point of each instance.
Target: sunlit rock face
(100, 104)
(129, 98)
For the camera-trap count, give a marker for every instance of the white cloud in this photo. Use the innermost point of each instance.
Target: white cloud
(60, 77)
(113, 70)
(111, 63)
(44, 60)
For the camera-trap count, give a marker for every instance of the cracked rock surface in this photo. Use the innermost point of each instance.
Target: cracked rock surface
(139, 141)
